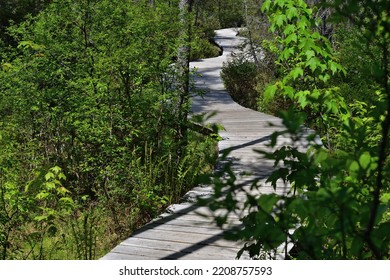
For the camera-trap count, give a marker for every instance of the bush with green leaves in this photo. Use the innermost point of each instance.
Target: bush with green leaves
(361, 61)
(240, 79)
(89, 88)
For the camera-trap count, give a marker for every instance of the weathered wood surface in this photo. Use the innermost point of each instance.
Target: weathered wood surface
(187, 231)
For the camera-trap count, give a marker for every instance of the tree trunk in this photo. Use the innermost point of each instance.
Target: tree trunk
(249, 26)
(183, 71)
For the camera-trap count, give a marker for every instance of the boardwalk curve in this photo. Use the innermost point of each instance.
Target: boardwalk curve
(181, 232)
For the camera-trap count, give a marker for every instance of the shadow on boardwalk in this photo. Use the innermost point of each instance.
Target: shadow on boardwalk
(187, 230)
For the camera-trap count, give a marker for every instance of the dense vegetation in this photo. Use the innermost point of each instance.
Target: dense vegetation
(323, 64)
(95, 135)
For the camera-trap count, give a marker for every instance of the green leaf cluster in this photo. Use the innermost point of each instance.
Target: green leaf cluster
(337, 205)
(89, 93)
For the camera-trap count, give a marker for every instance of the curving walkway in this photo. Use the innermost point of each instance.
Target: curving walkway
(181, 232)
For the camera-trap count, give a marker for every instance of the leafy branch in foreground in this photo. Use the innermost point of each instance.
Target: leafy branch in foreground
(339, 198)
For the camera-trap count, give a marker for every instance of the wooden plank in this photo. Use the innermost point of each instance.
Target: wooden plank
(184, 222)
(194, 238)
(189, 228)
(114, 256)
(139, 253)
(176, 246)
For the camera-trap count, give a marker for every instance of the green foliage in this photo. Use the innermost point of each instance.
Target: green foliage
(84, 233)
(33, 215)
(240, 79)
(217, 14)
(201, 47)
(337, 206)
(89, 90)
(15, 11)
(361, 62)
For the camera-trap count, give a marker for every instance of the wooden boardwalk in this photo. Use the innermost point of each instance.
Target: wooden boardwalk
(181, 232)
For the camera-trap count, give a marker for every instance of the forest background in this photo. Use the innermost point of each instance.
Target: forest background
(96, 135)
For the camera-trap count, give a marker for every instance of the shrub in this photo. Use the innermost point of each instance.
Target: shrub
(240, 78)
